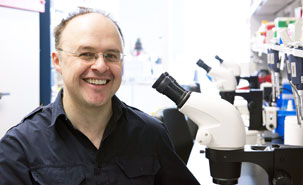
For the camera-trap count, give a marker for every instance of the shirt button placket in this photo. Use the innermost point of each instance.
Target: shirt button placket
(97, 171)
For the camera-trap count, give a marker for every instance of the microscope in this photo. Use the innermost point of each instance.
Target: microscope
(221, 130)
(227, 88)
(234, 67)
(236, 70)
(224, 79)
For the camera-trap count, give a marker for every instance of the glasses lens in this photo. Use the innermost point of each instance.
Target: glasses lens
(87, 56)
(91, 56)
(112, 57)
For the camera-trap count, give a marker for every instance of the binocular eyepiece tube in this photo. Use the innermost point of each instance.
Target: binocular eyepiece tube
(168, 86)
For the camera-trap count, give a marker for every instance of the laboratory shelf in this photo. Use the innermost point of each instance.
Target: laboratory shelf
(262, 48)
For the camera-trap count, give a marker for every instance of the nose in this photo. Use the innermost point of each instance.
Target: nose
(100, 64)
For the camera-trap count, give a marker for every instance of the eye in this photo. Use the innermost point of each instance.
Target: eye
(112, 57)
(87, 55)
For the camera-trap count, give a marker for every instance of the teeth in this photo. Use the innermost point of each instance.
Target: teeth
(95, 81)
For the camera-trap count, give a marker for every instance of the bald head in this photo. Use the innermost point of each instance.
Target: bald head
(63, 24)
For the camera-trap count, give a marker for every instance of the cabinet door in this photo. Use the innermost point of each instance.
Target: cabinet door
(19, 65)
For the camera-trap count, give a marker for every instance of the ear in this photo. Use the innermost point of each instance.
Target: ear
(56, 62)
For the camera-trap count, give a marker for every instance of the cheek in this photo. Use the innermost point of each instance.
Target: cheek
(72, 72)
(117, 72)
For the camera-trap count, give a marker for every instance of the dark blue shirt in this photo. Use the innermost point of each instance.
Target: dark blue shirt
(46, 149)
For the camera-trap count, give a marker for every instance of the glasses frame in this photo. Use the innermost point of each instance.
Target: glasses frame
(97, 55)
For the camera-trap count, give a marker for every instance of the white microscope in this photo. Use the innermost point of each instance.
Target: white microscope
(224, 79)
(233, 67)
(222, 130)
(226, 82)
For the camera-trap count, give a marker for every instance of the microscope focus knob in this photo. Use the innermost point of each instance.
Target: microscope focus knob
(281, 178)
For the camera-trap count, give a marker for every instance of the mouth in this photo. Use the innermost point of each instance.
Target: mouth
(96, 81)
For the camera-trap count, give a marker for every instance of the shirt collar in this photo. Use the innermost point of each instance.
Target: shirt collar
(58, 110)
(117, 107)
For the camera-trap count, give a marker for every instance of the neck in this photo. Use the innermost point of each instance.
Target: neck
(90, 120)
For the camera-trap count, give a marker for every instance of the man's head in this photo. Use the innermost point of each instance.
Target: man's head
(60, 27)
(89, 57)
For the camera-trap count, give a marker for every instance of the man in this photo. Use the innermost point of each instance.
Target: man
(88, 136)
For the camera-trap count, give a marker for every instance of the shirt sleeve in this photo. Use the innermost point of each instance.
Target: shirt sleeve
(173, 170)
(13, 168)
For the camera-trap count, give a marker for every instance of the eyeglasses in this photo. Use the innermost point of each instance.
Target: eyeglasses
(90, 57)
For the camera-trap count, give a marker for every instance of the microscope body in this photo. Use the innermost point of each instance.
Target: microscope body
(224, 79)
(213, 123)
(232, 66)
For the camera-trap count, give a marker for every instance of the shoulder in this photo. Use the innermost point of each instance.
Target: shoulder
(137, 118)
(31, 114)
(149, 126)
(142, 117)
(33, 128)
(38, 118)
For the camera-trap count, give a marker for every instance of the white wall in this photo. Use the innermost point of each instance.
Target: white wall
(19, 65)
(189, 30)
(149, 21)
(217, 27)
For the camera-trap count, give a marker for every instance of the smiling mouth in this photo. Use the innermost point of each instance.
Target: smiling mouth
(96, 81)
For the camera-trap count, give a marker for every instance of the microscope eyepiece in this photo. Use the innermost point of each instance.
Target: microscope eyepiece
(201, 64)
(168, 86)
(218, 58)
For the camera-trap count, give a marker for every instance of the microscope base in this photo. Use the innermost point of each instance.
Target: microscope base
(282, 163)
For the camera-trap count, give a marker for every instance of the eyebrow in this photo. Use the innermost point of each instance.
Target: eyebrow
(113, 50)
(85, 48)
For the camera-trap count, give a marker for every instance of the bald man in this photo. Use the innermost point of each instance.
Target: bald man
(87, 135)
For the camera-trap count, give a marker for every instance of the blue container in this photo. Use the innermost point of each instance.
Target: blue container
(285, 96)
(282, 103)
(281, 114)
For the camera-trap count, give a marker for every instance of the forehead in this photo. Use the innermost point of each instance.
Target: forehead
(90, 29)
(90, 18)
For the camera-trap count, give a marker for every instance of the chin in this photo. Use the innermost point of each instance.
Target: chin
(97, 102)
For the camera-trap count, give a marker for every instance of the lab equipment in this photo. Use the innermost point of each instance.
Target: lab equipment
(234, 67)
(253, 96)
(296, 67)
(273, 61)
(225, 80)
(221, 129)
